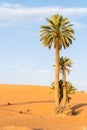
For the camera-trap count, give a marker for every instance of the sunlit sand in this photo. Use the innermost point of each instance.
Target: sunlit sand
(32, 108)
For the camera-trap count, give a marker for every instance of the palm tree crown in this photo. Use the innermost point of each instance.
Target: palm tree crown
(58, 30)
(65, 64)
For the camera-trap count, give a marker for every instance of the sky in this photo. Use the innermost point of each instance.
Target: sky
(23, 59)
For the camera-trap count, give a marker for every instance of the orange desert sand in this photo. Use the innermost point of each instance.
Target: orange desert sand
(28, 107)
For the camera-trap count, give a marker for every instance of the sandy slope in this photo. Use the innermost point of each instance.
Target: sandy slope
(32, 108)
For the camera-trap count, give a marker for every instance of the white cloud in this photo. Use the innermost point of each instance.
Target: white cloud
(16, 13)
(25, 71)
(32, 72)
(27, 32)
(42, 71)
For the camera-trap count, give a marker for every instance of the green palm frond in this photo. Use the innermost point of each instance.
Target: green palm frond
(58, 31)
(70, 87)
(51, 23)
(65, 64)
(64, 21)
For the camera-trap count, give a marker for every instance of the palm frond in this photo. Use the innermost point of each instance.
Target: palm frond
(51, 23)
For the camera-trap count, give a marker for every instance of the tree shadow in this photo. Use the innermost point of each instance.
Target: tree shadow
(29, 102)
(76, 110)
(9, 104)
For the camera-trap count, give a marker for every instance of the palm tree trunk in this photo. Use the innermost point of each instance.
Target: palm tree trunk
(57, 76)
(64, 89)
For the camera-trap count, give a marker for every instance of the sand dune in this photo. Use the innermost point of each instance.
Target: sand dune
(28, 107)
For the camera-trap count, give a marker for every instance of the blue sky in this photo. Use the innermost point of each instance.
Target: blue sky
(23, 59)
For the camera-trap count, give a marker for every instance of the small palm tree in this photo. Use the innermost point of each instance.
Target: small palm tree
(65, 64)
(57, 32)
(69, 87)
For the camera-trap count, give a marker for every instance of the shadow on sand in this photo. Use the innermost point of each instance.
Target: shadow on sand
(9, 104)
(24, 103)
(77, 109)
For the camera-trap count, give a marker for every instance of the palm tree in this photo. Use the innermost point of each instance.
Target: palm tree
(65, 64)
(57, 32)
(69, 86)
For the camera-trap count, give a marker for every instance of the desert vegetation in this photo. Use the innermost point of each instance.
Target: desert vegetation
(70, 89)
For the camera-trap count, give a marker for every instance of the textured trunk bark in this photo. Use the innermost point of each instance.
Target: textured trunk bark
(57, 76)
(64, 89)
